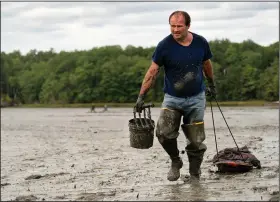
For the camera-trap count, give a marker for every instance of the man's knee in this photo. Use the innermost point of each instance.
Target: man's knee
(195, 133)
(168, 124)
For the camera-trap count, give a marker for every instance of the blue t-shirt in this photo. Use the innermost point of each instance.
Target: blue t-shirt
(183, 65)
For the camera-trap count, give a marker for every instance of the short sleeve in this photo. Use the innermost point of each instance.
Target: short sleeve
(207, 51)
(158, 54)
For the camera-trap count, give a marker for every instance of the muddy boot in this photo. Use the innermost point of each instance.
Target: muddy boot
(194, 165)
(194, 169)
(170, 146)
(174, 172)
(195, 148)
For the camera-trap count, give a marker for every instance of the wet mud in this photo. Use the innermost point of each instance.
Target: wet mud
(70, 154)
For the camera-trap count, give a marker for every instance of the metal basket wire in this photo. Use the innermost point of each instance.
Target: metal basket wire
(142, 129)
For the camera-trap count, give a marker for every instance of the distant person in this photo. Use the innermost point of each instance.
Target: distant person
(185, 56)
(92, 109)
(105, 108)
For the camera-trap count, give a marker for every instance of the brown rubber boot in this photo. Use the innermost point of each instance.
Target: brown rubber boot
(174, 172)
(170, 146)
(194, 167)
(195, 148)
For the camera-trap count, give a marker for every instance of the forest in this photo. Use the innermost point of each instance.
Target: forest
(112, 74)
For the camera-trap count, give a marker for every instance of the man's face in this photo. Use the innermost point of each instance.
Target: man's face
(179, 30)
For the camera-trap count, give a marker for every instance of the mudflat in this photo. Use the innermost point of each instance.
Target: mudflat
(71, 154)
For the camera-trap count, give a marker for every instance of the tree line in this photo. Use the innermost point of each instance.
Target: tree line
(243, 71)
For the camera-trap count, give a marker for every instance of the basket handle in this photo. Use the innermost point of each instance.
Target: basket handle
(148, 105)
(144, 107)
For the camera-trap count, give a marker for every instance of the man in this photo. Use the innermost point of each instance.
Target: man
(92, 109)
(185, 57)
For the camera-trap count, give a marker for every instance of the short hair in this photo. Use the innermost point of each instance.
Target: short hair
(185, 14)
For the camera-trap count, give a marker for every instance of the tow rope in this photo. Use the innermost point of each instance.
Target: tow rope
(227, 127)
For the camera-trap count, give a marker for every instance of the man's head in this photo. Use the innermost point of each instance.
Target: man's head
(179, 24)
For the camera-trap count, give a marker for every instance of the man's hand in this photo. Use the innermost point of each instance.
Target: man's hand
(139, 103)
(211, 91)
(208, 72)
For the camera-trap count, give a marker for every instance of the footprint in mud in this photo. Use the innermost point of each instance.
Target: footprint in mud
(216, 177)
(260, 188)
(38, 176)
(95, 196)
(274, 192)
(55, 174)
(5, 184)
(60, 197)
(108, 182)
(30, 159)
(270, 176)
(26, 198)
(31, 177)
(271, 168)
(3, 177)
(274, 198)
(112, 158)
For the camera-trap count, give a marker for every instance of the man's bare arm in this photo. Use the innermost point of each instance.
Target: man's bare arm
(208, 70)
(149, 78)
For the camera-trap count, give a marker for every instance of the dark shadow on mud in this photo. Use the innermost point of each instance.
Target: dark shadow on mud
(38, 176)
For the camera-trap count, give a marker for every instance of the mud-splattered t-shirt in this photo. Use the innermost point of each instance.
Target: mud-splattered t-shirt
(183, 65)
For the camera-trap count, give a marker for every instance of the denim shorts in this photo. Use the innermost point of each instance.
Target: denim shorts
(192, 108)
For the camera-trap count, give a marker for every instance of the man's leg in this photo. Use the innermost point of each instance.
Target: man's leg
(167, 132)
(195, 134)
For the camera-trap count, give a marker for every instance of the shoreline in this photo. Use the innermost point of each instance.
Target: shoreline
(254, 103)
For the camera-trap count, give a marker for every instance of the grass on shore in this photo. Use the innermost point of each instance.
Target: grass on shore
(131, 105)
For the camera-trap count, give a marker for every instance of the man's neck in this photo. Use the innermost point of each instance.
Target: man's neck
(187, 40)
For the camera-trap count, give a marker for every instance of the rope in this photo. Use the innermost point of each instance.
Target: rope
(214, 129)
(227, 126)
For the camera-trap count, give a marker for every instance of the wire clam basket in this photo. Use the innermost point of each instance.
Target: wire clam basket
(141, 129)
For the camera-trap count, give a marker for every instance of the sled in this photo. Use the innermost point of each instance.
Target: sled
(233, 166)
